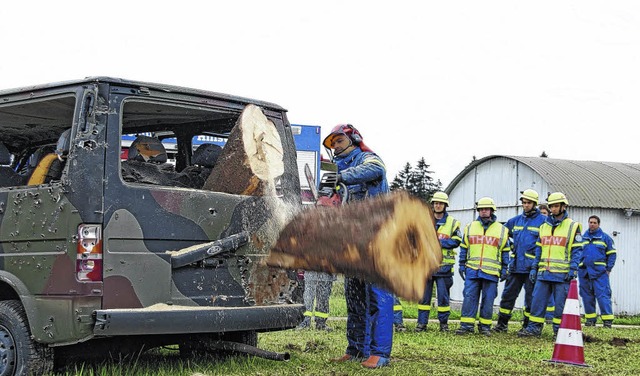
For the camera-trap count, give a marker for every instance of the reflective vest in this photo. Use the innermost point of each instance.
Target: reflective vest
(485, 248)
(556, 243)
(445, 232)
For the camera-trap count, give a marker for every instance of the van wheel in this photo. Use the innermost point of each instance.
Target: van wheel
(19, 354)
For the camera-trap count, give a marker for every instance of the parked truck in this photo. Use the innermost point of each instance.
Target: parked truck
(101, 255)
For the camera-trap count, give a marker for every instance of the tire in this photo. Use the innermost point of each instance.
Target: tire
(19, 353)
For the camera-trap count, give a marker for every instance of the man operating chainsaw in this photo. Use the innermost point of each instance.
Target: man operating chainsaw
(369, 308)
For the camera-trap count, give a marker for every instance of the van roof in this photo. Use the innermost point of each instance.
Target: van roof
(141, 84)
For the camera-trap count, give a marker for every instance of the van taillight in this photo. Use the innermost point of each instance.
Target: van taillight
(89, 256)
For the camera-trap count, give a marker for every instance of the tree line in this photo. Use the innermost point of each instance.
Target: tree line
(417, 181)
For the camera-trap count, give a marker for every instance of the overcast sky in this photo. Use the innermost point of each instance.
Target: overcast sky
(441, 80)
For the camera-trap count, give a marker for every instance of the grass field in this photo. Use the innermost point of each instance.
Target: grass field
(610, 352)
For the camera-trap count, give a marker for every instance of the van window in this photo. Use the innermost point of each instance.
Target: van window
(171, 145)
(29, 133)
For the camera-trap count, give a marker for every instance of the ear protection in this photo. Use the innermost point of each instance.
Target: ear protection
(355, 135)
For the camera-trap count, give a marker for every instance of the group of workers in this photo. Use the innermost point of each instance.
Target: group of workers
(540, 253)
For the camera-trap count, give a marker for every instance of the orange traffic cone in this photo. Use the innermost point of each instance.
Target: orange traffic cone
(569, 348)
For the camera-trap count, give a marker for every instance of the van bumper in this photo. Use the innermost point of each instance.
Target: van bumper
(170, 319)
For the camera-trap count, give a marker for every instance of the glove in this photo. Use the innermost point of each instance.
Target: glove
(571, 275)
(533, 274)
(503, 276)
(332, 177)
(463, 273)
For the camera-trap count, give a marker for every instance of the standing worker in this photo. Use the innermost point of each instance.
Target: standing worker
(369, 307)
(448, 229)
(524, 230)
(484, 258)
(599, 257)
(548, 317)
(558, 253)
(317, 287)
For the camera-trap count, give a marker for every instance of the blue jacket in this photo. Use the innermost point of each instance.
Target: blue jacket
(576, 253)
(364, 174)
(524, 230)
(598, 254)
(474, 274)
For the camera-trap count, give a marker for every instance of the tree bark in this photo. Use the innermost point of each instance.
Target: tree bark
(252, 158)
(389, 240)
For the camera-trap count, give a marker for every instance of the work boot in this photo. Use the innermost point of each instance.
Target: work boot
(500, 327)
(375, 361)
(321, 324)
(400, 328)
(463, 331)
(421, 328)
(607, 324)
(305, 324)
(347, 358)
(590, 323)
(485, 332)
(444, 327)
(525, 333)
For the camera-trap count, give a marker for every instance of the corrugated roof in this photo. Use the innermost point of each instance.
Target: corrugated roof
(610, 185)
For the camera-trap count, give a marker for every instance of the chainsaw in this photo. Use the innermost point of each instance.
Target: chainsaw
(328, 193)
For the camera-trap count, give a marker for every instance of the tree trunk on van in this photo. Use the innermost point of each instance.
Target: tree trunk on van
(252, 158)
(389, 240)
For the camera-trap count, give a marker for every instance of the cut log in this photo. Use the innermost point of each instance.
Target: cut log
(252, 158)
(389, 240)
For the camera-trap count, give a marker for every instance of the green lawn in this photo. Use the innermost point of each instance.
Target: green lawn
(609, 352)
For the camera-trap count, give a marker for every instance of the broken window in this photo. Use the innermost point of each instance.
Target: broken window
(170, 144)
(29, 135)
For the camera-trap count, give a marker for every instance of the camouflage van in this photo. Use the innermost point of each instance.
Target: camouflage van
(108, 244)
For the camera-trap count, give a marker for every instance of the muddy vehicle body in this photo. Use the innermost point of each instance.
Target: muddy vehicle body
(101, 254)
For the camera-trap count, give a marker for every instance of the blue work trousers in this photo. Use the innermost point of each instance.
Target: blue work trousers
(397, 312)
(443, 286)
(541, 293)
(512, 289)
(592, 290)
(369, 319)
(473, 289)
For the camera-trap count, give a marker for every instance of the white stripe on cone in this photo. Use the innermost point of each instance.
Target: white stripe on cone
(570, 337)
(571, 307)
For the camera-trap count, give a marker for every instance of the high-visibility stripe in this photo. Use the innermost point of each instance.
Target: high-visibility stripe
(527, 314)
(322, 315)
(308, 313)
(376, 161)
(424, 307)
(397, 307)
(444, 309)
(539, 320)
(570, 337)
(606, 317)
(557, 321)
(468, 320)
(505, 311)
(484, 321)
(572, 307)
(551, 308)
(590, 315)
(610, 252)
